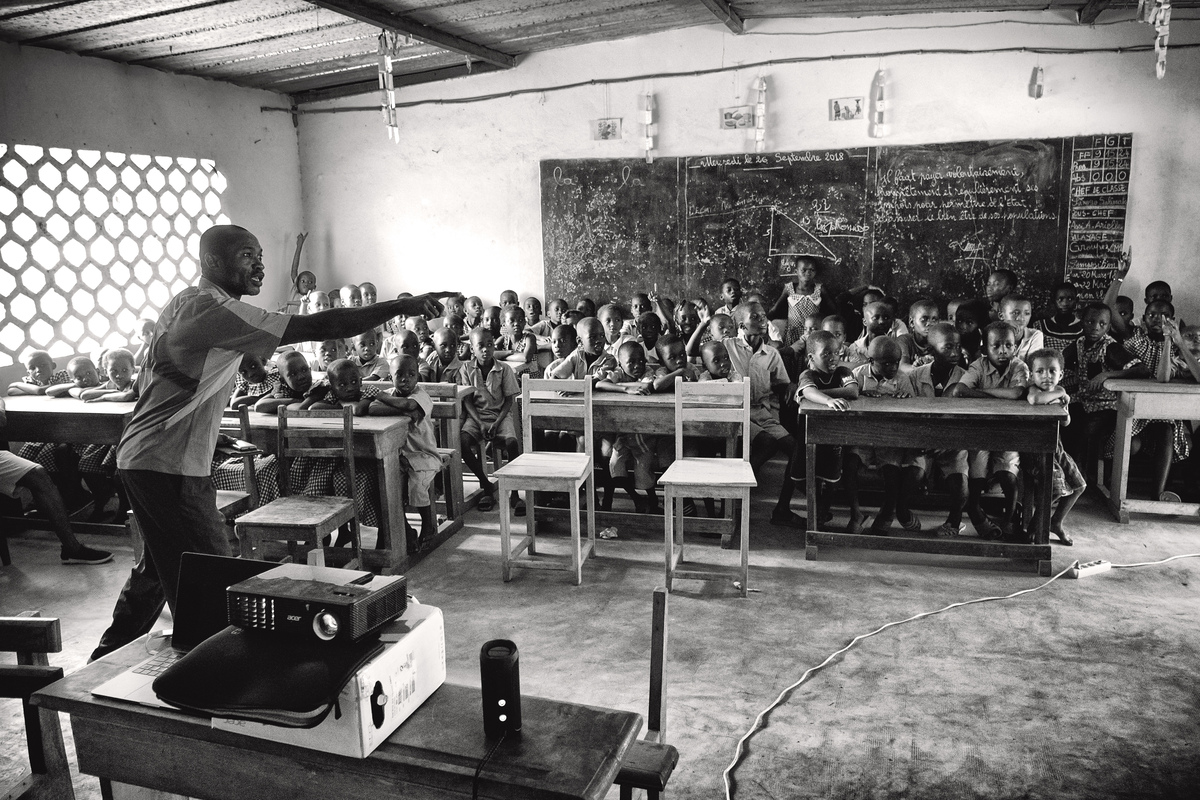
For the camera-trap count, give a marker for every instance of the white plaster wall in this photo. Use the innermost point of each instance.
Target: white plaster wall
(456, 204)
(49, 99)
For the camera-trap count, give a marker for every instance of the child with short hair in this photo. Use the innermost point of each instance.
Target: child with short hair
(83, 376)
(835, 326)
(509, 298)
(589, 359)
(997, 374)
(687, 320)
(295, 381)
(253, 382)
(517, 346)
(914, 345)
(1067, 482)
(630, 376)
(731, 296)
(420, 326)
(351, 296)
(364, 354)
(544, 327)
(970, 319)
(419, 458)
(718, 328)
(898, 467)
(612, 317)
(649, 332)
(41, 371)
(488, 413)
(369, 293)
(492, 321)
(935, 379)
(586, 306)
(563, 341)
(341, 387)
(673, 364)
(328, 351)
(717, 365)
(1094, 358)
(472, 312)
(1017, 310)
(878, 317)
(1062, 327)
(317, 302)
(639, 304)
(829, 383)
(752, 356)
(532, 307)
(1168, 439)
(1000, 283)
(443, 365)
(1125, 324)
(121, 386)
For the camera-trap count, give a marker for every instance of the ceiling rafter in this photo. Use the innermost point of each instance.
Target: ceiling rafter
(1091, 10)
(409, 79)
(724, 12)
(387, 19)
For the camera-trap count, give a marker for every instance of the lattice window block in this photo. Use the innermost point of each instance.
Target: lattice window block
(91, 242)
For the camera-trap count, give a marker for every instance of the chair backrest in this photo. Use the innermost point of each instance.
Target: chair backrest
(543, 397)
(447, 411)
(31, 638)
(235, 422)
(713, 401)
(295, 440)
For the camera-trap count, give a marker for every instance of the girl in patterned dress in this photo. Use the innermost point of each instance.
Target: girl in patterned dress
(1066, 482)
(801, 298)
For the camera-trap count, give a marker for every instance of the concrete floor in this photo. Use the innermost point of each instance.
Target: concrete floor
(1084, 689)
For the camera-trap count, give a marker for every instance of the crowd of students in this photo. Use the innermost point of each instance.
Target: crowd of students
(806, 346)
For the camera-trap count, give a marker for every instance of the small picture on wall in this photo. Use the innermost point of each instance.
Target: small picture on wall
(844, 109)
(605, 129)
(736, 117)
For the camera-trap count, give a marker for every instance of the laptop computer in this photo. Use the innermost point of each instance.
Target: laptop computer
(200, 612)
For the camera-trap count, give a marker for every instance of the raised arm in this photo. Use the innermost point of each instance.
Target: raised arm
(1114, 290)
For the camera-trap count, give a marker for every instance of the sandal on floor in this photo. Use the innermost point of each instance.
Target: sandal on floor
(913, 525)
(487, 502)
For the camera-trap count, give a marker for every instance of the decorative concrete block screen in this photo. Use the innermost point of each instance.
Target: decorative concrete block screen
(91, 242)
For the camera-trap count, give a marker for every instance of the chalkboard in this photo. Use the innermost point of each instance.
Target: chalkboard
(929, 220)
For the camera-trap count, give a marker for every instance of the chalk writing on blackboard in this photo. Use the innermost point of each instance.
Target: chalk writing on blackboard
(1096, 213)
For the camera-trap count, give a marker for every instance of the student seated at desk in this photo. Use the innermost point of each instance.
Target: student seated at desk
(649, 332)
(935, 379)
(997, 374)
(532, 307)
(899, 467)
(516, 346)
(509, 298)
(612, 319)
(472, 312)
(295, 381)
(877, 320)
(630, 376)
(492, 321)
(1091, 361)
(544, 327)
(639, 304)
(83, 376)
(442, 365)
(673, 363)
(121, 386)
(328, 351)
(914, 345)
(254, 381)
(419, 326)
(351, 296)
(563, 341)
(1062, 327)
(364, 354)
(589, 359)
(41, 372)
(419, 457)
(341, 386)
(1000, 284)
(1167, 440)
(718, 328)
(833, 385)
(971, 318)
(1017, 311)
(405, 341)
(489, 414)
(1067, 483)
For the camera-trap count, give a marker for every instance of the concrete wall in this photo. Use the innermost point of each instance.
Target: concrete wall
(456, 203)
(55, 99)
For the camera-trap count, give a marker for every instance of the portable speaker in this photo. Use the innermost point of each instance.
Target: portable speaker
(500, 676)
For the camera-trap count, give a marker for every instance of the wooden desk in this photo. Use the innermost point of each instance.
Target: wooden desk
(37, 418)
(378, 438)
(1146, 399)
(564, 750)
(652, 414)
(938, 423)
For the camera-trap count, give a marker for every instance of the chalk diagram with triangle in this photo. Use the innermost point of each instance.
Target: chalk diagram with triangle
(791, 238)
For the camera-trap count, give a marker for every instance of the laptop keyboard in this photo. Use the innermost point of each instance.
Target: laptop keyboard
(158, 665)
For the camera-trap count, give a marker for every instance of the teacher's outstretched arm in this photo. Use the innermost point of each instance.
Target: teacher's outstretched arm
(341, 323)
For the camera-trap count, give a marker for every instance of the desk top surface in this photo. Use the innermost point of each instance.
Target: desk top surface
(941, 408)
(70, 406)
(365, 424)
(1149, 385)
(564, 750)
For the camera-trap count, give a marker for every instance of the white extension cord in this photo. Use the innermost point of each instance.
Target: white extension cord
(1075, 570)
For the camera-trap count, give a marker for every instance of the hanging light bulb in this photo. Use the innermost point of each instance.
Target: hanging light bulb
(388, 46)
(879, 126)
(648, 126)
(760, 117)
(1036, 84)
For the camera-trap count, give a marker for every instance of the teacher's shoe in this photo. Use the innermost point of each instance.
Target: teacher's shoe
(86, 555)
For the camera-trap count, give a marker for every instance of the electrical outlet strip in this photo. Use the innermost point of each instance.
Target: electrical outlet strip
(1090, 568)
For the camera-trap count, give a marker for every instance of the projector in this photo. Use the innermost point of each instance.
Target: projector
(317, 603)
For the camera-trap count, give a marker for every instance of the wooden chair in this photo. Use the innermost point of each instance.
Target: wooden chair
(31, 638)
(235, 422)
(729, 478)
(650, 761)
(447, 418)
(300, 520)
(552, 472)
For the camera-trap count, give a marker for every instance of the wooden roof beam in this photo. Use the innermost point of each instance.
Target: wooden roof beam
(400, 79)
(724, 12)
(387, 19)
(1091, 9)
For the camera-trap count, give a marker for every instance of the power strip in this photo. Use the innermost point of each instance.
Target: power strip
(1088, 569)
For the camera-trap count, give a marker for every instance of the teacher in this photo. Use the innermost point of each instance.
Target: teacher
(165, 454)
